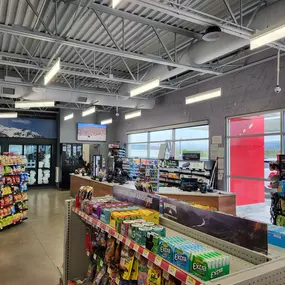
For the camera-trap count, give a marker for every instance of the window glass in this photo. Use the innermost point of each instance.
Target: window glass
(161, 136)
(201, 146)
(140, 137)
(257, 124)
(200, 132)
(154, 150)
(137, 150)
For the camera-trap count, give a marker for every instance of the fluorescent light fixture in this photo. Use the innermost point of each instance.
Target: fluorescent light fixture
(204, 96)
(145, 87)
(8, 115)
(34, 104)
(68, 117)
(52, 72)
(106, 122)
(267, 36)
(115, 3)
(133, 115)
(89, 111)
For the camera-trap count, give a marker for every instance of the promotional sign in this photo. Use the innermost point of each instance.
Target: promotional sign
(191, 156)
(242, 232)
(171, 163)
(137, 197)
(28, 128)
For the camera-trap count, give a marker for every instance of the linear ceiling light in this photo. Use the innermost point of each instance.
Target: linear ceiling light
(133, 115)
(52, 72)
(204, 96)
(267, 36)
(8, 115)
(68, 117)
(106, 122)
(115, 3)
(34, 104)
(89, 111)
(145, 87)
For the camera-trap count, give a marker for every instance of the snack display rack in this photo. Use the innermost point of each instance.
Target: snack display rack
(13, 190)
(247, 267)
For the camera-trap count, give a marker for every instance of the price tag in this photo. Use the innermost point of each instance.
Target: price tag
(101, 263)
(137, 255)
(145, 253)
(88, 253)
(116, 235)
(158, 260)
(136, 247)
(94, 256)
(128, 242)
(190, 280)
(109, 270)
(109, 236)
(165, 275)
(120, 237)
(172, 270)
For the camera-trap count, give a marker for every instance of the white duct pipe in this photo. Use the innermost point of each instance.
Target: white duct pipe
(202, 52)
(72, 97)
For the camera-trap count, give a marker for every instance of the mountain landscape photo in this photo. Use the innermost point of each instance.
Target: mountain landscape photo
(10, 132)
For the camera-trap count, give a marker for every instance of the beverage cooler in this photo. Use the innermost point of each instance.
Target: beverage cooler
(39, 162)
(71, 159)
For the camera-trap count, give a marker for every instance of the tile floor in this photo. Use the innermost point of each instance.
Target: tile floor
(30, 252)
(257, 212)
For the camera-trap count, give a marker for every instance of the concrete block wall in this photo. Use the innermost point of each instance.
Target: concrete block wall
(248, 91)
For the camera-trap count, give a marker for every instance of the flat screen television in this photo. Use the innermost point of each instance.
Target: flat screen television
(91, 132)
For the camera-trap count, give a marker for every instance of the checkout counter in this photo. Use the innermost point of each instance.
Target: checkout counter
(223, 201)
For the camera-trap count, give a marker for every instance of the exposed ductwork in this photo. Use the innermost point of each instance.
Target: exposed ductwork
(203, 52)
(70, 96)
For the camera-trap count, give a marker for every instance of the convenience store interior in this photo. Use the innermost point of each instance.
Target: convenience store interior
(159, 80)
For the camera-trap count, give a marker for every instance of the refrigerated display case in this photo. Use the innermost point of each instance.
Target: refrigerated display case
(96, 165)
(44, 164)
(30, 151)
(39, 162)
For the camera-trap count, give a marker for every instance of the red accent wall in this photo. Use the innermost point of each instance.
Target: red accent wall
(247, 159)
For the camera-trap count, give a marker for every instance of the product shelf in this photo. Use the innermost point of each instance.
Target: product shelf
(181, 275)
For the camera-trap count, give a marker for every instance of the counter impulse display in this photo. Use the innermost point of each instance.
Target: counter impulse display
(13, 187)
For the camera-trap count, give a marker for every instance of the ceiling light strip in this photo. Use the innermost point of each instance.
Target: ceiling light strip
(115, 3)
(267, 36)
(89, 111)
(145, 87)
(34, 104)
(204, 96)
(107, 122)
(52, 72)
(69, 117)
(133, 115)
(8, 115)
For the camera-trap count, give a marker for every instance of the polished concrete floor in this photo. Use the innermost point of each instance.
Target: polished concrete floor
(31, 252)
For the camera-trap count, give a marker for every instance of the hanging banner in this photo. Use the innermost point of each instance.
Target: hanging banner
(242, 232)
(143, 199)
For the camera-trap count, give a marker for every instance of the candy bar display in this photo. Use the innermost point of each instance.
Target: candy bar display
(13, 187)
(127, 245)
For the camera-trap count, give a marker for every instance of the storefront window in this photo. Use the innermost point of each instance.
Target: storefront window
(253, 142)
(180, 140)
(201, 146)
(137, 150)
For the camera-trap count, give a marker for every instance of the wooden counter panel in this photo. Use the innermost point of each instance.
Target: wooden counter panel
(225, 204)
(99, 189)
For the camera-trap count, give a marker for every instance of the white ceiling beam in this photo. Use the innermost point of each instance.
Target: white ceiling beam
(107, 50)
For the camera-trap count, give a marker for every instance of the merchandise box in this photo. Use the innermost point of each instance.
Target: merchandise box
(276, 236)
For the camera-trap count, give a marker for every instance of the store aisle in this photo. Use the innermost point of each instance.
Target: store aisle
(31, 252)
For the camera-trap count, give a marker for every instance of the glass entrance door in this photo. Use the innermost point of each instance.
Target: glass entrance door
(44, 164)
(30, 151)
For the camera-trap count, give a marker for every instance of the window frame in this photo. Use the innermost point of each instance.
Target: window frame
(173, 140)
(281, 133)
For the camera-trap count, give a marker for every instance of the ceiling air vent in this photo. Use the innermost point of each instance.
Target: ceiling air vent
(82, 99)
(8, 91)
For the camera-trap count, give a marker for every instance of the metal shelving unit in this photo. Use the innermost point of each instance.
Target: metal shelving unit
(247, 267)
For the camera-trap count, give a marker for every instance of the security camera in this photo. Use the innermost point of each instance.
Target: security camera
(117, 114)
(277, 89)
